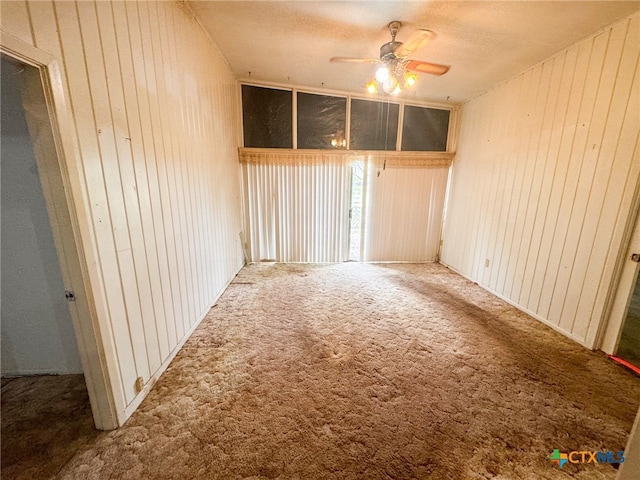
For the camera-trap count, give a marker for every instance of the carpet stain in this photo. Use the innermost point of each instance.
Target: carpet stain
(363, 371)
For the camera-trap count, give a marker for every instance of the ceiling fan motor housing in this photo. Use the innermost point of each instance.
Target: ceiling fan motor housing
(387, 51)
(397, 69)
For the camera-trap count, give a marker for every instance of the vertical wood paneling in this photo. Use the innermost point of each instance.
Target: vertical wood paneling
(532, 181)
(134, 197)
(143, 303)
(575, 204)
(565, 182)
(541, 183)
(155, 154)
(508, 136)
(177, 164)
(108, 158)
(145, 155)
(521, 187)
(16, 15)
(620, 146)
(165, 157)
(553, 182)
(141, 48)
(544, 178)
(80, 100)
(152, 294)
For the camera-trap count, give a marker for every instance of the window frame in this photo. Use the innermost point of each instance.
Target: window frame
(347, 114)
(401, 126)
(454, 115)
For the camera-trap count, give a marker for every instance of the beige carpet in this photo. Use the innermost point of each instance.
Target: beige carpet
(360, 371)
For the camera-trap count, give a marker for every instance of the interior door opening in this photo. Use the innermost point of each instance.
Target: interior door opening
(629, 345)
(621, 338)
(37, 330)
(356, 230)
(43, 382)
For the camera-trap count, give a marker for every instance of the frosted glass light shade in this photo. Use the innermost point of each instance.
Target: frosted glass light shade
(390, 84)
(382, 74)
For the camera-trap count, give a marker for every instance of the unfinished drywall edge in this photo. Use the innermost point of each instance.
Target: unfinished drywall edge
(522, 309)
(135, 403)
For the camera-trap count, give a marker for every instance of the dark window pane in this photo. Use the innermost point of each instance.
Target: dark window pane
(374, 125)
(321, 120)
(266, 117)
(424, 129)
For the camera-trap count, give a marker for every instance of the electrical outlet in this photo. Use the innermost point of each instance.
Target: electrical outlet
(486, 262)
(139, 384)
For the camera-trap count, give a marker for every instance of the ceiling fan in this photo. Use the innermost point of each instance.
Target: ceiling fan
(396, 69)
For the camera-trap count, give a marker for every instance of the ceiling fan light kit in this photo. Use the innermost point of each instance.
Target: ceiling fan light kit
(395, 70)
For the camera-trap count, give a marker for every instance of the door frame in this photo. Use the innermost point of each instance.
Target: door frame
(625, 287)
(45, 103)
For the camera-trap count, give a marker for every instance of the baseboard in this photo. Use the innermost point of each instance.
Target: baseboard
(521, 308)
(384, 262)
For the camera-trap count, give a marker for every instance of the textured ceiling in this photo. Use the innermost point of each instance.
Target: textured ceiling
(484, 42)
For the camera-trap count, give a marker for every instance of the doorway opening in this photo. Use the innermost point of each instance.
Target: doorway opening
(629, 345)
(356, 211)
(621, 337)
(44, 104)
(37, 330)
(46, 412)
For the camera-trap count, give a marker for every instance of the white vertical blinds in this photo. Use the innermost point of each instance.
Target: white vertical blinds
(297, 212)
(297, 205)
(404, 213)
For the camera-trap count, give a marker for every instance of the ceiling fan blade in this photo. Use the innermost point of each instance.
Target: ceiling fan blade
(416, 41)
(353, 60)
(426, 67)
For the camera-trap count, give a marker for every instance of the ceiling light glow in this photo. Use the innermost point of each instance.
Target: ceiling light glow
(382, 74)
(391, 77)
(390, 85)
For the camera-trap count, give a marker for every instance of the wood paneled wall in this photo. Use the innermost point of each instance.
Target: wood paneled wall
(153, 157)
(544, 180)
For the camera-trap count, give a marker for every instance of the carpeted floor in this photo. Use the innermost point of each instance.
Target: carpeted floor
(361, 371)
(45, 420)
